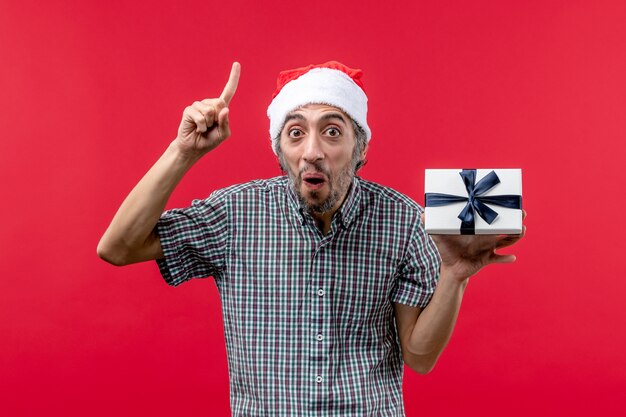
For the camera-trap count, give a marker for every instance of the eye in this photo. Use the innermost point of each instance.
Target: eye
(295, 133)
(333, 132)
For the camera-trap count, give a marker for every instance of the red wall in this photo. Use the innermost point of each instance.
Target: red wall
(91, 95)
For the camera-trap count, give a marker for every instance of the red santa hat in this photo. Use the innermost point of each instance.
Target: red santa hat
(331, 83)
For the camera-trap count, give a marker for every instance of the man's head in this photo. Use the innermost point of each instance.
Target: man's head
(320, 151)
(318, 127)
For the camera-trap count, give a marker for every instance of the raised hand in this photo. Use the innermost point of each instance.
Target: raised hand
(465, 255)
(205, 123)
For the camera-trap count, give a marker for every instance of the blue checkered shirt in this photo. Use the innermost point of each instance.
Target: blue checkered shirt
(309, 318)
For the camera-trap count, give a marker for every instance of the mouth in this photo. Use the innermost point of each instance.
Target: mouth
(314, 180)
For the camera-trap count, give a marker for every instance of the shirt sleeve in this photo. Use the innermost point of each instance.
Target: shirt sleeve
(418, 273)
(194, 241)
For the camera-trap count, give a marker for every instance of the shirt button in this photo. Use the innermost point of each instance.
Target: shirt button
(320, 337)
(318, 379)
(321, 292)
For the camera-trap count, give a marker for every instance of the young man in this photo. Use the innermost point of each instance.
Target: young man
(328, 282)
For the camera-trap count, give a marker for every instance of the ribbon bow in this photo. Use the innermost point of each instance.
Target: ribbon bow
(475, 201)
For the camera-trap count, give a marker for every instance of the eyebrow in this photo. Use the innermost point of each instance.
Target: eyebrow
(293, 116)
(327, 116)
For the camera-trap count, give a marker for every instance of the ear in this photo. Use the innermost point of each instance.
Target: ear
(364, 152)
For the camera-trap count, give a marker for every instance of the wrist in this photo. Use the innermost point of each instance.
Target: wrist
(448, 274)
(181, 156)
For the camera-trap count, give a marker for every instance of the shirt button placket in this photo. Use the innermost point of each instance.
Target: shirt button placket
(317, 330)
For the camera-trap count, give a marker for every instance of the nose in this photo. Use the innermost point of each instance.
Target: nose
(312, 148)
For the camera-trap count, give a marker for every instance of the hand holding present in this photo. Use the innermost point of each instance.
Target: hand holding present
(464, 255)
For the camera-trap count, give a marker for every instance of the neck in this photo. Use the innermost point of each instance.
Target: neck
(323, 220)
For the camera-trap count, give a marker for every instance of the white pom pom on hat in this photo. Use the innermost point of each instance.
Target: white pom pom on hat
(330, 83)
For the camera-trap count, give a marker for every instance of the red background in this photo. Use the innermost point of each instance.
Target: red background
(91, 93)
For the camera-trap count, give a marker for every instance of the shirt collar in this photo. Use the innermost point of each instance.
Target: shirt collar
(346, 213)
(293, 202)
(350, 207)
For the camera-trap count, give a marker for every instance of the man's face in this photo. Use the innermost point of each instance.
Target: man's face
(317, 147)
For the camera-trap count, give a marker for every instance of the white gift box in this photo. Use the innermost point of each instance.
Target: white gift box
(498, 186)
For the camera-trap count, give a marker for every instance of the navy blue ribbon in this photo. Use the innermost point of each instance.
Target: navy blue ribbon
(475, 201)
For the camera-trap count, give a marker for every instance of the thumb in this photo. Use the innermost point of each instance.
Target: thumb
(502, 259)
(223, 124)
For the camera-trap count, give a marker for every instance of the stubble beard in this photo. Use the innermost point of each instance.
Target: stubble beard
(338, 186)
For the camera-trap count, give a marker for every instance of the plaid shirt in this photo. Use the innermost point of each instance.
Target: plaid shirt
(309, 321)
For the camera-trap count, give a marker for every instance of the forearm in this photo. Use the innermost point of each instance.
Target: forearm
(435, 324)
(130, 237)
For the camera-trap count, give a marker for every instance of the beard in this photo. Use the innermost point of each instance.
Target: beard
(338, 185)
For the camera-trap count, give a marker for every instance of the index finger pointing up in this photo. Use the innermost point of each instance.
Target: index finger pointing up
(231, 85)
